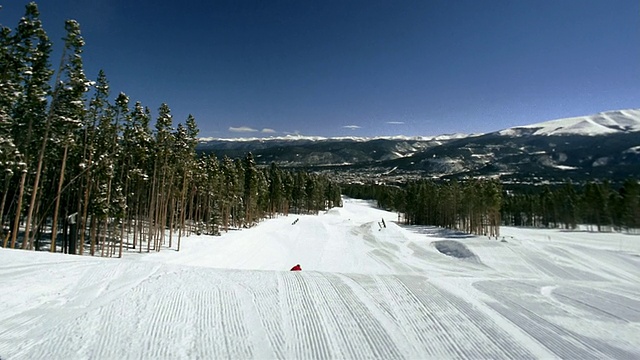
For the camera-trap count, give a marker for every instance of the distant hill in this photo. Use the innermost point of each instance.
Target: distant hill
(604, 145)
(606, 123)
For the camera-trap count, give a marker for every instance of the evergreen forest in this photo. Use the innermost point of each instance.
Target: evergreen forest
(472, 207)
(481, 206)
(84, 170)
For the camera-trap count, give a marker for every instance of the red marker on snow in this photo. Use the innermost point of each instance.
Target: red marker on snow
(296, 268)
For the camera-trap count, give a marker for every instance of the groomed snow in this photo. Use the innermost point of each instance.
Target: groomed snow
(365, 291)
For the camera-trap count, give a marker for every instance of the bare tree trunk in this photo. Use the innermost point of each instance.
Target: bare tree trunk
(192, 211)
(172, 214)
(121, 238)
(106, 231)
(54, 225)
(161, 214)
(4, 200)
(16, 222)
(36, 183)
(93, 235)
(103, 237)
(137, 225)
(170, 209)
(152, 210)
(82, 224)
(183, 210)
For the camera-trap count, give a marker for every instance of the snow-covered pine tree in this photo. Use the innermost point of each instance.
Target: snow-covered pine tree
(97, 106)
(250, 189)
(630, 204)
(276, 190)
(68, 109)
(186, 141)
(31, 49)
(162, 176)
(10, 157)
(118, 184)
(136, 143)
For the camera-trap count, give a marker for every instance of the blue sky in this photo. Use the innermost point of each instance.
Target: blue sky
(359, 68)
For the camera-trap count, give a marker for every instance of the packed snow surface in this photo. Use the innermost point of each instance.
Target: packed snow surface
(365, 291)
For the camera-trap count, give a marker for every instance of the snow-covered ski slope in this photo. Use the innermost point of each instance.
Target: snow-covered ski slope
(364, 292)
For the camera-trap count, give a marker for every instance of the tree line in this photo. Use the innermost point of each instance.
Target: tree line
(91, 172)
(481, 206)
(601, 205)
(472, 206)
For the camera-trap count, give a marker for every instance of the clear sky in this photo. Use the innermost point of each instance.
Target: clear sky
(359, 68)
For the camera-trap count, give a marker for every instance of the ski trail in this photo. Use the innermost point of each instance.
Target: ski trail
(412, 316)
(365, 321)
(524, 306)
(304, 332)
(220, 319)
(479, 337)
(617, 305)
(259, 296)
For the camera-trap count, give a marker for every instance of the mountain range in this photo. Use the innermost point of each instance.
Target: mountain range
(601, 146)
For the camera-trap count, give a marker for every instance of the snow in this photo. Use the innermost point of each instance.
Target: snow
(365, 291)
(298, 137)
(610, 122)
(565, 167)
(632, 150)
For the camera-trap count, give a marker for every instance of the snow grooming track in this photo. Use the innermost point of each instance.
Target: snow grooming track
(409, 315)
(70, 322)
(504, 341)
(458, 324)
(219, 318)
(263, 290)
(301, 316)
(539, 260)
(76, 305)
(526, 314)
(595, 302)
(365, 323)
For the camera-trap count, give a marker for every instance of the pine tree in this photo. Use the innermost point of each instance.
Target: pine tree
(68, 108)
(136, 150)
(10, 157)
(568, 198)
(630, 204)
(250, 189)
(276, 190)
(30, 51)
(162, 176)
(119, 184)
(187, 143)
(92, 155)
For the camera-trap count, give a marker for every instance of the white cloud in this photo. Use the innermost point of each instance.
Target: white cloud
(395, 122)
(352, 127)
(268, 131)
(242, 129)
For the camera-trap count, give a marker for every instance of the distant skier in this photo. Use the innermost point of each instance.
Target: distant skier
(296, 268)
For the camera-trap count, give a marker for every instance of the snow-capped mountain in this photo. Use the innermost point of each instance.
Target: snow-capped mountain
(603, 145)
(315, 151)
(605, 123)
